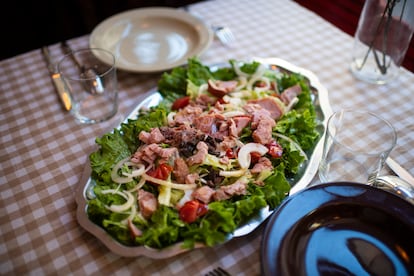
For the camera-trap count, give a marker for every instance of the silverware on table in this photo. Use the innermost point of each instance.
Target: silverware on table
(58, 82)
(397, 186)
(218, 271)
(94, 86)
(223, 33)
(400, 171)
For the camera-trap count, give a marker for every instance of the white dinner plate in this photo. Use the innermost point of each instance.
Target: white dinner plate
(151, 39)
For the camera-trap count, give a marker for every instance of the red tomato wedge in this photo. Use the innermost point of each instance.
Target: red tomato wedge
(162, 171)
(275, 150)
(192, 210)
(180, 103)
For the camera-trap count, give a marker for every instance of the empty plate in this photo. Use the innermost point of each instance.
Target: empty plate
(152, 39)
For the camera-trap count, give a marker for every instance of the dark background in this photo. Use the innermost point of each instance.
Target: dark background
(28, 25)
(31, 24)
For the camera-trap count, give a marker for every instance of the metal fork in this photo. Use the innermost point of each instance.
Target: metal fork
(218, 271)
(224, 34)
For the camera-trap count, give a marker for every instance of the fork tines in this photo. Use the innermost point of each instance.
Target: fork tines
(225, 35)
(218, 272)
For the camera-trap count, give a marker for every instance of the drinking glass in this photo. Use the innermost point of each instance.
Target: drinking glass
(92, 84)
(382, 38)
(356, 145)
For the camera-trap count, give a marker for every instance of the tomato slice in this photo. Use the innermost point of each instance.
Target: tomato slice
(275, 149)
(162, 171)
(230, 153)
(192, 210)
(180, 103)
(255, 156)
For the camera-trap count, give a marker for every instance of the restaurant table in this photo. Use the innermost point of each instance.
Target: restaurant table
(44, 151)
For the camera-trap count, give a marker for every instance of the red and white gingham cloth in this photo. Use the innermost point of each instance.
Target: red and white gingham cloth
(43, 150)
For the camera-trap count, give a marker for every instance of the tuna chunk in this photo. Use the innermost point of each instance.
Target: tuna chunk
(149, 153)
(226, 192)
(180, 170)
(220, 88)
(271, 104)
(147, 203)
(187, 114)
(290, 93)
(262, 164)
(263, 133)
(191, 178)
(257, 112)
(204, 194)
(237, 124)
(155, 136)
(206, 123)
(201, 154)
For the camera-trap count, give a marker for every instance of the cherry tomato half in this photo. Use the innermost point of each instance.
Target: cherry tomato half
(192, 210)
(275, 149)
(230, 153)
(180, 103)
(162, 171)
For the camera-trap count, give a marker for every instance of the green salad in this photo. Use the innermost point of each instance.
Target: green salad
(219, 147)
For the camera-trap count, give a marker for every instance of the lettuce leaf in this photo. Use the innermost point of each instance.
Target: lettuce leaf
(112, 149)
(173, 84)
(163, 228)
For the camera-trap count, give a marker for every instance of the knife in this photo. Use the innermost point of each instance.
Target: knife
(60, 85)
(400, 171)
(94, 85)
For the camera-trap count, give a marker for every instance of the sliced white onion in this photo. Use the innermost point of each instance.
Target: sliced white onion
(294, 143)
(238, 71)
(233, 101)
(186, 197)
(292, 103)
(242, 83)
(245, 151)
(114, 172)
(266, 87)
(233, 113)
(131, 215)
(170, 118)
(251, 82)
(129, 197)
(168, 183)
(138, 186)
(259, 71)
(112, 191)
(236, 173)
(123, 207)
(239, 94)
(139, 171)
(202, 88)
(275, 86)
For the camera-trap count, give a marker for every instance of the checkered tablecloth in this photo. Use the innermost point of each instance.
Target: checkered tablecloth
(44, 152)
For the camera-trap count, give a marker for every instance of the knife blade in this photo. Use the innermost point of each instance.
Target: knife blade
(400, 171)
(58, 82)
(94, 85)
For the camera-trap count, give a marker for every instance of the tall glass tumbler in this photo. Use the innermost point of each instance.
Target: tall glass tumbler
(382, 38)
(357, 143)
(92, 84)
